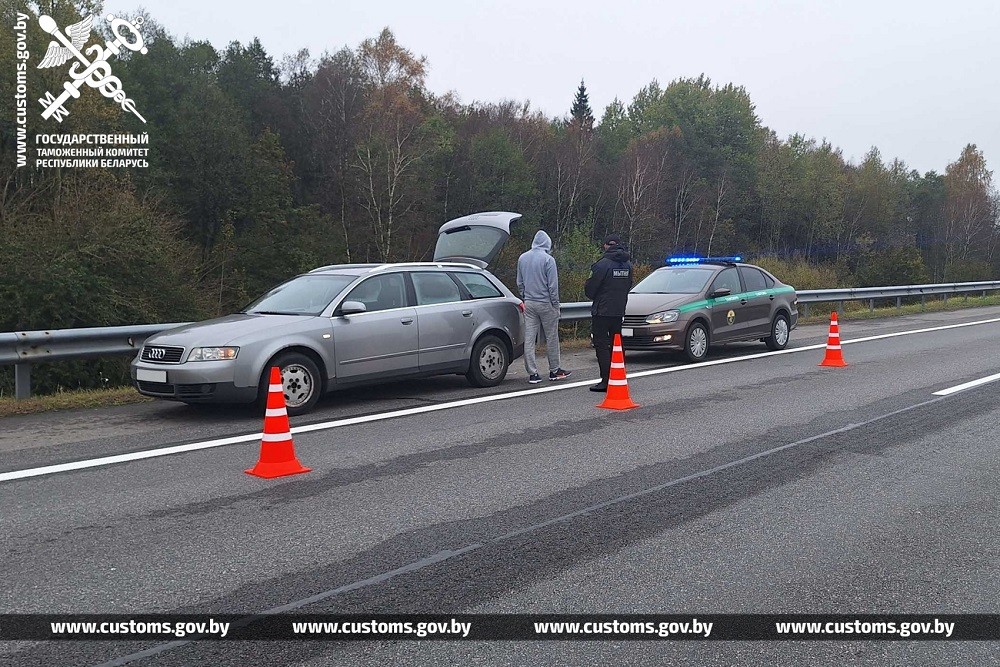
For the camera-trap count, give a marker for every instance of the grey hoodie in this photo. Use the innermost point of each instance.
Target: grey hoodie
(537, 279)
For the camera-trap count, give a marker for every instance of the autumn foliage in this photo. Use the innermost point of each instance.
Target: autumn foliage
(261, 169)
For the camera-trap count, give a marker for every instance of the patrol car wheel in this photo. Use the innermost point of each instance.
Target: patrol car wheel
(696, 342)
(489, 363)
(778, 340)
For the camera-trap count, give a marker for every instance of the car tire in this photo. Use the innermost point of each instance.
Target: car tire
(778, 340)
(696, 342)
(301, 379)
(489, 363)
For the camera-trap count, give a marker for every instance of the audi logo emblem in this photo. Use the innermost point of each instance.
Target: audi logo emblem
(156, 353)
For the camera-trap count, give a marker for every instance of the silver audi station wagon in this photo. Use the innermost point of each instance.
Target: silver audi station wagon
(350, 324)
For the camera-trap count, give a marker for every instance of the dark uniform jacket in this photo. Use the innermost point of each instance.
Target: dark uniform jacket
(609, 282)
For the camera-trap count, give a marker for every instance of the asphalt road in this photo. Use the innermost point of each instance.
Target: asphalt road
(763, 484)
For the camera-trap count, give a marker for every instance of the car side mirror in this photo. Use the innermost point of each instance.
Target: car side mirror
(352, 307)
(722, 291)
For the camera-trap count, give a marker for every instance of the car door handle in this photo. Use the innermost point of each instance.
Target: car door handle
(466, 313)
(743, 302)
(771, 297)
(407, 320)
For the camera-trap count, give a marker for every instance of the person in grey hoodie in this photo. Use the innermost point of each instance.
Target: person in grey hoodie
(538, 284)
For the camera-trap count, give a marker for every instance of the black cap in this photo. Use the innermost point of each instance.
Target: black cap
(612, 239)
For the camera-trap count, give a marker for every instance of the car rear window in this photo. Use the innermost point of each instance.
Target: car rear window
(433, 287)
(753, 279)
(472, 241)
(479, 286)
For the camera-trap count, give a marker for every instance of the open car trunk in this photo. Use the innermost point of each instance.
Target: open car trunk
(476, 239)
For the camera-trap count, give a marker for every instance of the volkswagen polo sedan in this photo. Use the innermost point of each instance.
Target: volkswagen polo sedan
(694, 303)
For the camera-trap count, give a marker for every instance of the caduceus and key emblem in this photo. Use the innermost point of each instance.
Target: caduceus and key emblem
(90, 65)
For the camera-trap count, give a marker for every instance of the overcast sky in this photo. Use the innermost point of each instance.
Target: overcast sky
(919, 79)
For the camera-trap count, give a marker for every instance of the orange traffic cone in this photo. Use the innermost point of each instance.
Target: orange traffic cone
(617, 397)
(277, 452)
(834, 355)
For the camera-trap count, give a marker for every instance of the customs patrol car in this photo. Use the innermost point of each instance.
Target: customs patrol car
(696, 302)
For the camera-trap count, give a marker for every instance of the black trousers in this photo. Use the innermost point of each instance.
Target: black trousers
(604, 329)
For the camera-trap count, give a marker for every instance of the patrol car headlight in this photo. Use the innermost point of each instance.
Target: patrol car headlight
(664, 317)
(213, 353)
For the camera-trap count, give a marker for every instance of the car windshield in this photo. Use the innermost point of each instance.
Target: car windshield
(304, 295)
(675, 280)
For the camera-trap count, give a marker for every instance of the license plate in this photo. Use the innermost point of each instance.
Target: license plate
(626, 332)
(150, 376)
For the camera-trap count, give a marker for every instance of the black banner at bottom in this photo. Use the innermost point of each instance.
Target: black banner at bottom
(588, 627)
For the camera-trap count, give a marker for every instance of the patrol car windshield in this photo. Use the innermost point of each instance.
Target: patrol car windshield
(675, 280)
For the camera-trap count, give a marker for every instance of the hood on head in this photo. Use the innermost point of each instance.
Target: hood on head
(617, 253)
(542, 241)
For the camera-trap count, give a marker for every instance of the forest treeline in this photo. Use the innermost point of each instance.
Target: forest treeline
(262, 167)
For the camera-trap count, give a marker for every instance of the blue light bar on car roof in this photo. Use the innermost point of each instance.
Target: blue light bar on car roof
(702, 260)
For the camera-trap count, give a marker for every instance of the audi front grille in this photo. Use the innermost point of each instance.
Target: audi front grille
(162, 354)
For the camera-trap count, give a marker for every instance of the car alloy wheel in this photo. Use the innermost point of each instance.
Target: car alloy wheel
(491, 361)
(297, 383)
(697, 343)
(779, 333)
(301, 382)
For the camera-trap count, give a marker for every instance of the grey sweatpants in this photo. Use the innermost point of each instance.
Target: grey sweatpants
(541, 315)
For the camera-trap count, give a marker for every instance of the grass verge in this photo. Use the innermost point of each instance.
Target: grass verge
(69, 400)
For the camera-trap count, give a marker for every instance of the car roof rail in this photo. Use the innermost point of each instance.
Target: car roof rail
(343, 266)
(442, 265)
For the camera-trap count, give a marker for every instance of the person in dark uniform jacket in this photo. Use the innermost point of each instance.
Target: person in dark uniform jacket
(608, 286)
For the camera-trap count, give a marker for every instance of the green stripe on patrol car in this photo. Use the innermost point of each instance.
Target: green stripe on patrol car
(707, 303)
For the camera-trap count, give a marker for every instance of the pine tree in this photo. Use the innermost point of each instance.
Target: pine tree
(582, 116)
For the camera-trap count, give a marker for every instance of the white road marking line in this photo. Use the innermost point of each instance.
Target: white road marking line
(351, 421)
(122, 458)
(967, 385)
(818, 346)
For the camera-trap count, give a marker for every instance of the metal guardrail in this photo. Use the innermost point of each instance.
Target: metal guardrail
(25, 348)
(839, 296)
(580, 310)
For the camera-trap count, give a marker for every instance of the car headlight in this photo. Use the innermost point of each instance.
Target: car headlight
(664, 317)
(213, 353)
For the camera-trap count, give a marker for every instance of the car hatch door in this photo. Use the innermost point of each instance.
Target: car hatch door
(476, 239)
